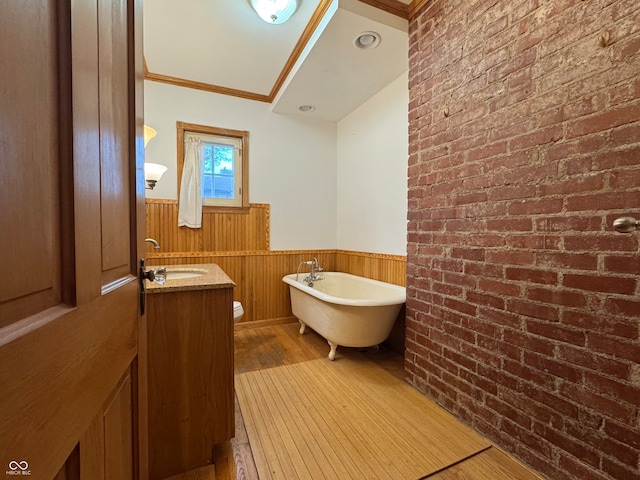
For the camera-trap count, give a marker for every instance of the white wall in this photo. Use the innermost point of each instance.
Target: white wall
(372, 173)
(329, 186)
(292, 160)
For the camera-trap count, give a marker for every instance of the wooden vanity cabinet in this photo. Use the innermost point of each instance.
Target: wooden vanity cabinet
(190, 377)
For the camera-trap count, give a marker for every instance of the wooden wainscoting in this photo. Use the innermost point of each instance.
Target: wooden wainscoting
(386, 268)
(258, 274)
(223, 229)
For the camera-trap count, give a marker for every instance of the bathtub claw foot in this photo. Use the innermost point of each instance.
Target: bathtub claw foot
(303, 328)
(332, 352)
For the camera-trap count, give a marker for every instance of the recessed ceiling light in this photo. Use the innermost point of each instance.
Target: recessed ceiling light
(367, 40)
(306, 108)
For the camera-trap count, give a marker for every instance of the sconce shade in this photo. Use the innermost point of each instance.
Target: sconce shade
(152, 173)
(149, 133)
(274, 11)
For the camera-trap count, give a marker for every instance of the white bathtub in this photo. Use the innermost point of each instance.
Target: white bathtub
(346, 309)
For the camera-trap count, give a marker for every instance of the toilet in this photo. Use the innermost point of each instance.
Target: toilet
(238, 311)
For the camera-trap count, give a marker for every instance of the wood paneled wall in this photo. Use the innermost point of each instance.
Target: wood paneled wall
(239, 243)
(221, 230)
(386, 268)
(258, 275)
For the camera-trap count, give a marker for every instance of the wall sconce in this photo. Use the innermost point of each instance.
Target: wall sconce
(149, 133)
(152, 173)
(274, 11)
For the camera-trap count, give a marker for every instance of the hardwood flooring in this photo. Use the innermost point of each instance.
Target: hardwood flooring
(269, 347)
(322, 420)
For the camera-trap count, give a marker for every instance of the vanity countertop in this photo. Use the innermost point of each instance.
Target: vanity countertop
(211, 276)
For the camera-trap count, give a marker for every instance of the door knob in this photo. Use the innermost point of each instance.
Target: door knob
(626, 224)
(159, 275)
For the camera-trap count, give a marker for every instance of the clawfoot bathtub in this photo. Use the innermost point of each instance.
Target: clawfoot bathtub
(346, 309)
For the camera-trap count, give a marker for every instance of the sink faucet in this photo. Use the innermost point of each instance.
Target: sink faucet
(156, 245)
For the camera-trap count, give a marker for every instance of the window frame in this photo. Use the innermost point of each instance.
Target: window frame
(184, 128)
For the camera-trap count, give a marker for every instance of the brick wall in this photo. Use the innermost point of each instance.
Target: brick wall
(523, 303)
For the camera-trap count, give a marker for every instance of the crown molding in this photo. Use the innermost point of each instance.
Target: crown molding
(390, 6)
(394, 7)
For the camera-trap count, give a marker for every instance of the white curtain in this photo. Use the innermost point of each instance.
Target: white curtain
(190, 204)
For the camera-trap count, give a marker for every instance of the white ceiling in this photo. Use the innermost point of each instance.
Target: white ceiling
(223, 43)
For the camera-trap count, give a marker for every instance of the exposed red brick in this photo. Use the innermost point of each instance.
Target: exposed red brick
(616, 347)
(556, 332)
(522, 298)
(533, 310)
(608, 325)
(611, 388)
(573, 261)
(532, 276)
(624, 434)
(499, 287)
(600, 403)
(618, 264)
(623, 306)
(609, 284)
(591, 361)
(530, 342)
(557, 297)
(601, 243)
(510, 257)
(536, 207)
(484, 299)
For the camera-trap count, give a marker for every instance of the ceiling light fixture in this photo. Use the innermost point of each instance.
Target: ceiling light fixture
(306, 108)
(274, 11)
(367, 40)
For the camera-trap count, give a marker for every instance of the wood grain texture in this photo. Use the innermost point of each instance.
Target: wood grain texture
(391, 6)
(118, 431)
(272, 347)
(68, 363)
(346, 419)
(386, 268)
(203, 473)
(207, 87)
(258, 274)
(491, 464)
(190, 378)
(63, 357)
(243, 465)
(221, 230)
(415, 7)
(113, 66)
(29, 155)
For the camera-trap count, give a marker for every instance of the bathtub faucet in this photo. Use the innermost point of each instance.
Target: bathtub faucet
(315, 269)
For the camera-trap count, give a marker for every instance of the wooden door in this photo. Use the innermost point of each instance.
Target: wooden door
(71, 223)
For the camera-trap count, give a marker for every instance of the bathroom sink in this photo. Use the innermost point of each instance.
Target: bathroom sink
(183, 273)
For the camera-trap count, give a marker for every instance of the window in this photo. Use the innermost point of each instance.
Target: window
(223, 164)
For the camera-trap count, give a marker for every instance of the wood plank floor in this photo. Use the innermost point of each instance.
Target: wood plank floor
(321, 420)
(269, 347)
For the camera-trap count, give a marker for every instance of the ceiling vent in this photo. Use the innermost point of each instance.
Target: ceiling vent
(367, 40)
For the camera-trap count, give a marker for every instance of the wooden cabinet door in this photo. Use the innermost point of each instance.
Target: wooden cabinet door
(71, 192)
